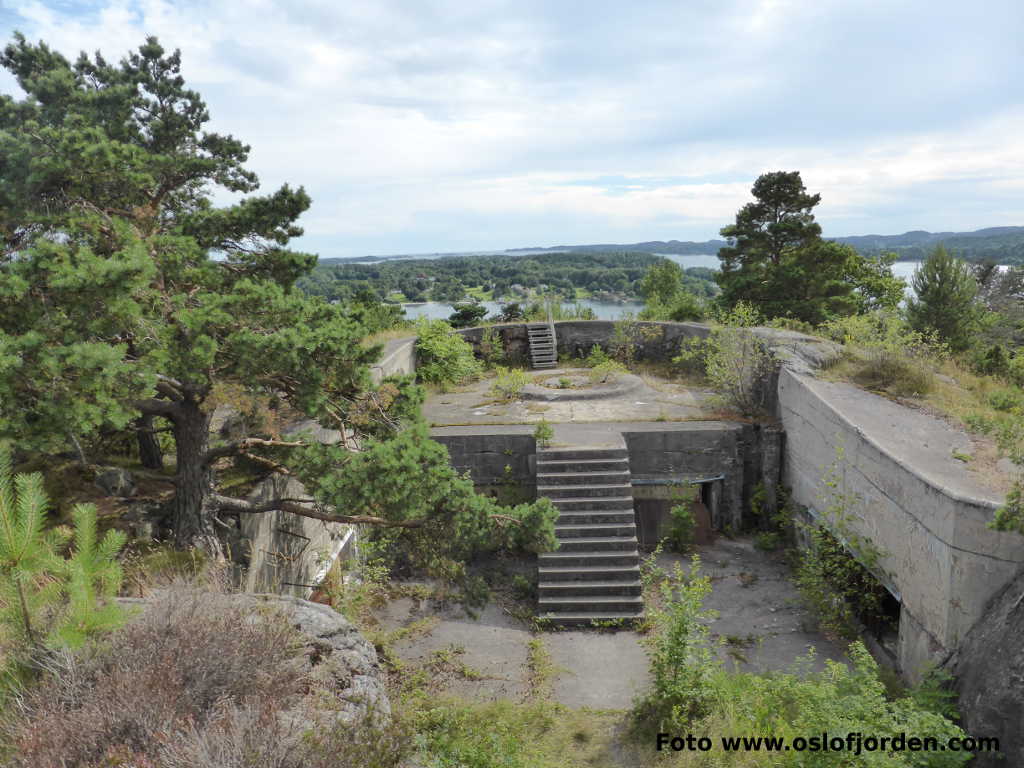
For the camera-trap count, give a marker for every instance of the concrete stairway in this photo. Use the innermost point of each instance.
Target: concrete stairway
(595, 574)
(543, 353)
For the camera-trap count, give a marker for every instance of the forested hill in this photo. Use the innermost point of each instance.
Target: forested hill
(1004, 245)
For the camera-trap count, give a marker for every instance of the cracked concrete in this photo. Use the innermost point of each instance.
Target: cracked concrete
(758, 612)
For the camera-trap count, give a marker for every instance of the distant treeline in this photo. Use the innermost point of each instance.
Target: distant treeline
(451, 278)
(1002, 245)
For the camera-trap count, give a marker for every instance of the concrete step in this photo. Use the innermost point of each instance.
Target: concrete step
(584, 491)
(597, 544)
(588, 573)
(620, 477)
(584, 517)
(582, 465)
(573, 531)
(545, 365)
(602, 603)
(582, 454)
(565, 559)
(586, 619)
(573, 588)
(592, 503)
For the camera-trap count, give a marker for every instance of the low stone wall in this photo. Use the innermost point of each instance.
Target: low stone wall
(575, 338)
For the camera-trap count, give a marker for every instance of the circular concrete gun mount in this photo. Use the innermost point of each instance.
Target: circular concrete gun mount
(581, 388)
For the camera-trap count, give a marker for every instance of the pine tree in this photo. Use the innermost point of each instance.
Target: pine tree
(45, 599)
(945, 291)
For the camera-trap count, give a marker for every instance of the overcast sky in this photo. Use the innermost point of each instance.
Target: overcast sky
(450, 125)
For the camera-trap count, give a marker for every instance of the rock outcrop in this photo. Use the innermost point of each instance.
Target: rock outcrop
(989, 670)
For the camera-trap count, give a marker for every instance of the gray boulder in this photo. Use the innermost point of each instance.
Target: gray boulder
(115, 481)
(989, 671)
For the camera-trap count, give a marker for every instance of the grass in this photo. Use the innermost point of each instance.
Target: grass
(541, 671)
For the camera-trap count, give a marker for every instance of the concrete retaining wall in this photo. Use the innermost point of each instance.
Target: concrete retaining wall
(917, 504)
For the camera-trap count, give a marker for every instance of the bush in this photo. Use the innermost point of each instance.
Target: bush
(509, 383)
(492, 349)
(888, 354)
(681, 661)
(544, 433)
(1006, 399)
(682, 527)
(595, 357)
(196, 680)
(606, 372)
(443, 356)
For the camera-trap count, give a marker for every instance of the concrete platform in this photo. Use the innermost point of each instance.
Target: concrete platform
(646, 398)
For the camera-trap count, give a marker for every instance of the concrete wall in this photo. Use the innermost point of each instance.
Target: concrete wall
(733, 454)
(289, 554)
(398, 357)
(575, 338)
(487, 457)
(920, 507)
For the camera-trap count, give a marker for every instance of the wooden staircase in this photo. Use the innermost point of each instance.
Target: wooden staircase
(595, 574)
(543, 351)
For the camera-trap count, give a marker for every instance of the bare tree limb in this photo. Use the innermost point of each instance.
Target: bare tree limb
(229, 504)
(243, 446)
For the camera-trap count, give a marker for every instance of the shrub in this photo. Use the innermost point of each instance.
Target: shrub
(509, 383)
(595, 357)
(888, 354)
(629, 336)
(681, 661)
(443, 356)
(1006, 399)
(606, 372)
(47, 600)
(738, 366)
(682, 527)
(492, 349)
(544, 433)
(1010, 516)
(1015, 368)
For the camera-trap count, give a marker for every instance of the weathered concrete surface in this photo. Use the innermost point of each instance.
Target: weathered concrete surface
(926, 511)
(661, 455)
(989, 672)
(761, 627)
(287, 553)
(642, 401)
(398, 357)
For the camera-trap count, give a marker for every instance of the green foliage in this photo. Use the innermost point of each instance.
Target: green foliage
(677, 645)
(681, 528)
(562, 274)
(125, 290)
(737, 364)
(945, 300)
(606, 372)
(443, 356)
(839, 700)
(835, 573)
(629, 337)
(1010, 516)
(887, 353)
(467, 315)
(429, 516)
(597, 356)
(509, 383)
(46, 599)
(544, 433)
(492, 349)
(778, 261)
(665, 294)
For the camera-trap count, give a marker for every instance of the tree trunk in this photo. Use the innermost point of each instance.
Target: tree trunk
(193, 506)
(150, 455)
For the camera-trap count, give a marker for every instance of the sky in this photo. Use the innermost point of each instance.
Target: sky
(454, 125)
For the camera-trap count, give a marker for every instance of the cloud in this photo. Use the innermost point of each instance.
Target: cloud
(443, 124)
